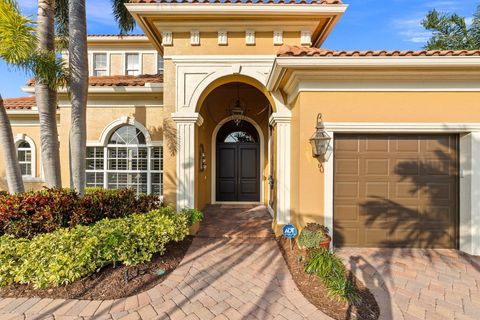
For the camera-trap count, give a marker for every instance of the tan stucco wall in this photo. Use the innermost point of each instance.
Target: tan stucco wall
(236, 44)
(216, 108)
(170, 149)
(31, 131)
(149, 63)
(307, 198)
(116, 64)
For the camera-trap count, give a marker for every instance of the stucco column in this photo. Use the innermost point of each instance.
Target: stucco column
(470, 193)
(186, 158)
(282, 123)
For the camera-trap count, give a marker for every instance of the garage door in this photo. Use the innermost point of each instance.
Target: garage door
(396, 191)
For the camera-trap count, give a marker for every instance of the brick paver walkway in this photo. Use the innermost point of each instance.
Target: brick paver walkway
(419, 284)
(233, 270)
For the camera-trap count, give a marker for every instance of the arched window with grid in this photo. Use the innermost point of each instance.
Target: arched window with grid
(126, 161)
(25, 159)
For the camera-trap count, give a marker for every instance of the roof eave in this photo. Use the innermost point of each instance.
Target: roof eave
(140, 10)
(148, 88)
(283, 63)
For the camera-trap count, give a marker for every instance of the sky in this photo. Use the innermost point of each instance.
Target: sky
(367, 24)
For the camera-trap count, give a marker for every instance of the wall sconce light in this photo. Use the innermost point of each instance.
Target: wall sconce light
(320, 140)
(203, 159)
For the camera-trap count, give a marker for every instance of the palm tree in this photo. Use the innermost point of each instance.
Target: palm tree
(71, 27)
(18, 48)
(47, 98)
(78, 58)
(13, 172)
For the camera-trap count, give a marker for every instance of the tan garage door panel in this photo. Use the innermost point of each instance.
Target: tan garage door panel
(396, 191)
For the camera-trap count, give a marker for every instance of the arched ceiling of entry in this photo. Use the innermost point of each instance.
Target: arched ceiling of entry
(235, 78)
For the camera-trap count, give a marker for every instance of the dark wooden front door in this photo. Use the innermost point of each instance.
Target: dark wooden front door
(238, 165)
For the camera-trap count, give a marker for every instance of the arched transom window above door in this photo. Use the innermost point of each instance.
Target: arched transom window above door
(244, 132)
(126, 160)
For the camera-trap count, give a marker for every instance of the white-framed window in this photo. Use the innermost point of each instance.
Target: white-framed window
(160, 64)
(132, 64)
(25, 158)
(100, 64)
(126, 161)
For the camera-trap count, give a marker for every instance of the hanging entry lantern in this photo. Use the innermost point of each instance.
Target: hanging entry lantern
(237, 110)
(320, 140)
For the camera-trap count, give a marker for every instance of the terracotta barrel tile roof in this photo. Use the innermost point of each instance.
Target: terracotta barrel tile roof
(121, 81)
(125, 81)
(23, 103)
(299, 51)
(243, 1)
(113, 35)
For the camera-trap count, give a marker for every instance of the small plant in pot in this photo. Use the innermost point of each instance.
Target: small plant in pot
(314, 236)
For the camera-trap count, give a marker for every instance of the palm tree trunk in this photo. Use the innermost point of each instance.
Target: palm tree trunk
(12, 167)
(78, 62)
(47, 99)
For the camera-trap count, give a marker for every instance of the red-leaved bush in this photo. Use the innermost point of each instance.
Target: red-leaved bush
(31, 213)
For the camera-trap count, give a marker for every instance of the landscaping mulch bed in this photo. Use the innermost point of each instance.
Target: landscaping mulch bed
(314, 291)
(110, 283)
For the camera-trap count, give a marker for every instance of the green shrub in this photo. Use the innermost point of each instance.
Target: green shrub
(331, 270)
(193, 215)
(63, 256)
(31, 213)
(312, 235)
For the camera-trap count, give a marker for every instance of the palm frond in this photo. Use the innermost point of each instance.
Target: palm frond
(61, 24)
(17, 34)
(124, 19)
(18, 48)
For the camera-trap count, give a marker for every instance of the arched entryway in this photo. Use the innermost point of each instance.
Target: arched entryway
(233, 159)
(237, 172)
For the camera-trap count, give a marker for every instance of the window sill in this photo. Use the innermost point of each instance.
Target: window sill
(32, 179)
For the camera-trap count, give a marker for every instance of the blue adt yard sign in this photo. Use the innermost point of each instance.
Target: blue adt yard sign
(289, 231)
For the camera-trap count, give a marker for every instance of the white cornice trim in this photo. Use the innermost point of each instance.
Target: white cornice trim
(93, 39)
(116, 106)
(409, 61)
(221, 58)
(25, 112)
(374, 127)
(358, 65)
(183, 117)
(148, 88)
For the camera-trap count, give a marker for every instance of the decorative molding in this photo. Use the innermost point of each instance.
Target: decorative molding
(20, 137)
(282, 125)
(277, 37)
(306, 38)
(222, 37)
(276, 118)
(195, 38)
(250, 37)
(194, 78)
(167, 38)
(469, 186)
(112, 126)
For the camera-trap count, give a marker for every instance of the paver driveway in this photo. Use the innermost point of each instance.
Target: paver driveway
(419, 284)
(233, 270)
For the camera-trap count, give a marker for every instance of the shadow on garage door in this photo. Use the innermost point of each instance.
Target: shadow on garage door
(396, 190)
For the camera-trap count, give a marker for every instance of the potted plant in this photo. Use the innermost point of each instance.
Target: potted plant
(194, 217)
(314, 236)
